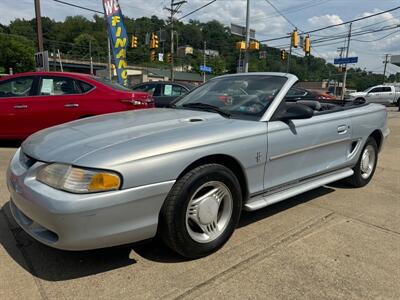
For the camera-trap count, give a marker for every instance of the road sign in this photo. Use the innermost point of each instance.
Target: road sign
(241, 31)
(205, 69)
(342, 61)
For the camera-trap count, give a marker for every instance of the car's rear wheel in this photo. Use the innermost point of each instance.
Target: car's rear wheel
(201, 211)
(366, 165)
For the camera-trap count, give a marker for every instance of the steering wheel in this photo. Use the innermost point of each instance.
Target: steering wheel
(253, 105)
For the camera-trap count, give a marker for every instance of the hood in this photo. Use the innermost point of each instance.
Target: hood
(142, 132)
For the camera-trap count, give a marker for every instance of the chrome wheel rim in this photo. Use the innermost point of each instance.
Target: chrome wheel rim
(367, 162)
(209, 212)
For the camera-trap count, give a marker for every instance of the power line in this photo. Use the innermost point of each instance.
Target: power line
(197, 9)
(78, 6)
(321, 42)
(280, 13)
(358, 33)
(294, 9)
(335, 25)
(379, 39)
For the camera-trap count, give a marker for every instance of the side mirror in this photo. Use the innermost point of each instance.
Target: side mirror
(296, 111)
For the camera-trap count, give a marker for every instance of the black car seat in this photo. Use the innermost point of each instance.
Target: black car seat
(67, 88)
(314, 105)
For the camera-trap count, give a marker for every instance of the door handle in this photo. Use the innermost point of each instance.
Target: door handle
(71, 105)
(21, 106)
(342, 129)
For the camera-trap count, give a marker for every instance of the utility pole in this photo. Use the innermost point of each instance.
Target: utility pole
(384, 70)
(246, 53)
(288, 59)
(347, 56)
(172, 41)
(204, 61)
(39, 31)
(91, 58)
(60, 61)
(173, 9)
(110, 71)
(54, 58)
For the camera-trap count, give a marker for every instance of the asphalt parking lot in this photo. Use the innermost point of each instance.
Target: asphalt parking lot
(333, 242)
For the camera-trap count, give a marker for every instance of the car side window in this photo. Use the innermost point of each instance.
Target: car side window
(295, 93)
(173, 90)
(148, 88)
(376, 90)
(17, 87)
(85, 87)
(387, 89)
(177, 90)
(57, 86)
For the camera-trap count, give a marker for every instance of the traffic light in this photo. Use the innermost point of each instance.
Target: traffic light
(169, 58)
(295, 39)
(283, 55)
(254, 45)
(153, 56)
(307, 45)
(241, 45)
(134, 42)
(154, 41)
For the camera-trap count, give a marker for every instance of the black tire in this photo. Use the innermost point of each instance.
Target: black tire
(360, 100)
(172, 226)
(357, 180)
(398, 103)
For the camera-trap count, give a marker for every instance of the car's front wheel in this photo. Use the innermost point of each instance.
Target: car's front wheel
(201, 211)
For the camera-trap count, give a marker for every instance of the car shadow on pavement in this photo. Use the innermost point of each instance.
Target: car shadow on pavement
(56, 265)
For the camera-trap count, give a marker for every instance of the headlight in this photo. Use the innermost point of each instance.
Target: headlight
(78, 180)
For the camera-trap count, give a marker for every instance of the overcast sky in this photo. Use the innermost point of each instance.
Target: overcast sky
(305, 14)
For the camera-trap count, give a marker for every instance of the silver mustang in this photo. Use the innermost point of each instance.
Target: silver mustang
(186, 172)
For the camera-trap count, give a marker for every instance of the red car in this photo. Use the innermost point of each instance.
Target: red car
(33, 101)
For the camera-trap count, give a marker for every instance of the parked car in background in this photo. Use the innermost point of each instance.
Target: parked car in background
(32, 101)
(384, 94)
(186, 172)
(297, 93)
(164, 92)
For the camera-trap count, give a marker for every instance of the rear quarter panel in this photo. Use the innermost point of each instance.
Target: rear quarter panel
(365, 120)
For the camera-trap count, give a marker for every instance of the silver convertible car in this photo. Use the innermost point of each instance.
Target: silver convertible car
(186, 172)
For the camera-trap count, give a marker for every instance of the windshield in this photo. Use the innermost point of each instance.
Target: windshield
(367, 90)
(111, 84)
(247, 95)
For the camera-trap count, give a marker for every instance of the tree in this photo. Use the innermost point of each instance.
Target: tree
(72, 36)
(16, 53)
(81, 46)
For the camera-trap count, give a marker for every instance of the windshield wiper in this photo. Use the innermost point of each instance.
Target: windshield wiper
(207, 107)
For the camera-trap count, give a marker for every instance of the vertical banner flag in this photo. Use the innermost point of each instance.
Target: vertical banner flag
(118, 38)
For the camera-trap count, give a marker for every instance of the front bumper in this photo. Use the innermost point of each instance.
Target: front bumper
(81, 222)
